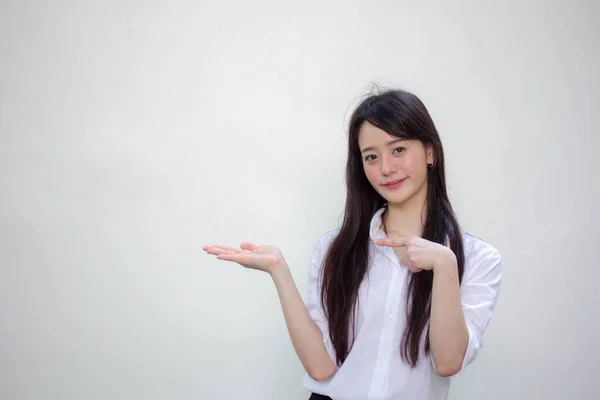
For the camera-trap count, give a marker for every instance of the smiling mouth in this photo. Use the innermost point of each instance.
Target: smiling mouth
(394, 184)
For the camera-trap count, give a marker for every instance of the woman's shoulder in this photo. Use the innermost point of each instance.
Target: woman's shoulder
(478, 251)
(320, 250)
(328, 237)
(325, 241)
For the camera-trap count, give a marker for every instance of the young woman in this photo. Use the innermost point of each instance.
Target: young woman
(399, 297)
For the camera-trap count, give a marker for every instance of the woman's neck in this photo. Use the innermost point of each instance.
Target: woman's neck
(406, 219)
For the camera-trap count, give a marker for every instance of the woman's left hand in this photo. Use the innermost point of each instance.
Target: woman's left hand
(420, 254)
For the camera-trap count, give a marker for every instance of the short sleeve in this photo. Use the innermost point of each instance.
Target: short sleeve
(313, 301)
(480, 288)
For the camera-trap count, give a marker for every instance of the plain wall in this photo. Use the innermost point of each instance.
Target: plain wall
(134, 132)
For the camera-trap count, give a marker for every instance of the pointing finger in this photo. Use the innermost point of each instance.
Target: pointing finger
(396, 242)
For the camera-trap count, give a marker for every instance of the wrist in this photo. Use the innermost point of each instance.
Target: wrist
(446, 262)
(279, 269)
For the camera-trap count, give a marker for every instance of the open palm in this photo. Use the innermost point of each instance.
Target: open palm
(263, 258)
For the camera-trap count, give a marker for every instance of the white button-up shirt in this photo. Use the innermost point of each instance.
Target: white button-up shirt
(374, 368)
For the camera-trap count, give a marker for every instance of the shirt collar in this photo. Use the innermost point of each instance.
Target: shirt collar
(375, 231)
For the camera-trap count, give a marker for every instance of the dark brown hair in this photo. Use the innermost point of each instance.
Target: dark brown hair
(403, 115)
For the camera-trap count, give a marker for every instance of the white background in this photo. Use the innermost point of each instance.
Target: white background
(134, 132)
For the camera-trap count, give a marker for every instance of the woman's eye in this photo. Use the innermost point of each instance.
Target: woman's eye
(370, 157)
(399, 149)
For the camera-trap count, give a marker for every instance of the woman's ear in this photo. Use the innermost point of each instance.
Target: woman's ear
(430, 155)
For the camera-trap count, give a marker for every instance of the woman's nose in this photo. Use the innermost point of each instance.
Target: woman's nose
(387, 166)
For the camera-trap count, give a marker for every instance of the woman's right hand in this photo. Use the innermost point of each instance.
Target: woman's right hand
(306, 336)
(263, 258)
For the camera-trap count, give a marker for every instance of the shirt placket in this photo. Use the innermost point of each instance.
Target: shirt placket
(380, 379)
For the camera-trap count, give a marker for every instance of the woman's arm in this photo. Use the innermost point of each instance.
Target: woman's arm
(448, 333)
(306, 336)
(459, 317)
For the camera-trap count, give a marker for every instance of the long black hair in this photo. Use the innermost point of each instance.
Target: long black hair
(403, 115)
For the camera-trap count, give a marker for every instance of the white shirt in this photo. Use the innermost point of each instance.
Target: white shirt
(374, 369)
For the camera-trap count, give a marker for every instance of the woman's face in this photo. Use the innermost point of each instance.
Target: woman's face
(396, 168)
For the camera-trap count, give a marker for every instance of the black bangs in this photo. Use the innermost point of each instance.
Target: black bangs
(394, 113)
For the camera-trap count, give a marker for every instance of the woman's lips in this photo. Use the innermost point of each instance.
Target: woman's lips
(394, 184)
